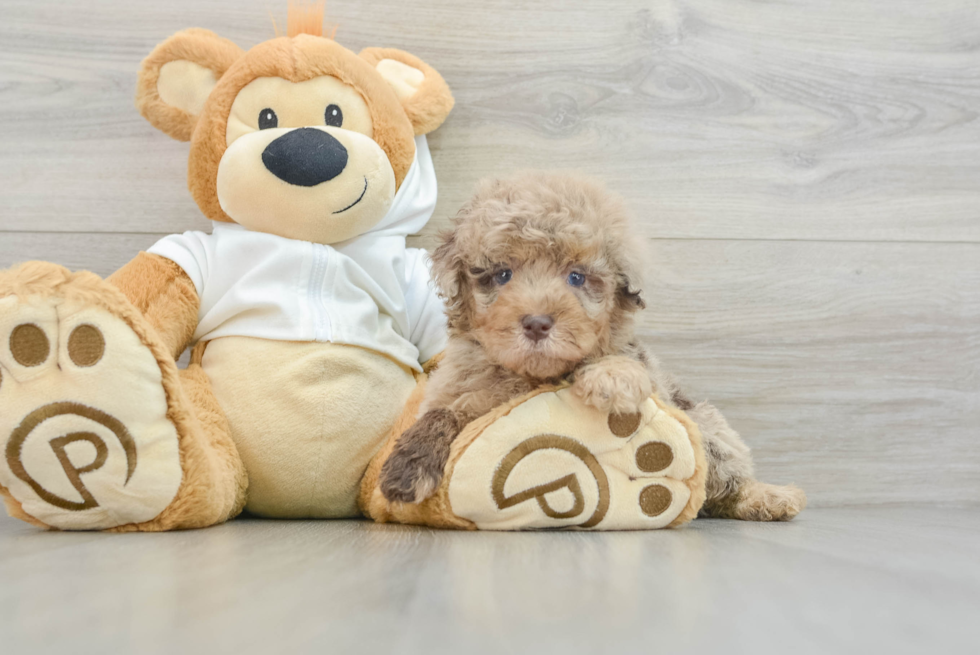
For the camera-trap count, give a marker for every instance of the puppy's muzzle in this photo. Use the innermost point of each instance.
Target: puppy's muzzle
(305, 157)
(537, 328)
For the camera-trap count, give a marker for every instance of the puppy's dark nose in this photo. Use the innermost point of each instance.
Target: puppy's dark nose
(537, 328)
(305, 157)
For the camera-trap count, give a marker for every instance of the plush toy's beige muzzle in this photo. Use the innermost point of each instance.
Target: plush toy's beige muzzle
(318, 184)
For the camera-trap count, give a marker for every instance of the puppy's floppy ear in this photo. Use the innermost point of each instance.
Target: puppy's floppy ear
(450, 275)
(424, 95)
(177, 77)
(630, 262)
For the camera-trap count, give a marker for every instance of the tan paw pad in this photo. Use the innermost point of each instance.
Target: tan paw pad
(654, 457)
(29, 346)
(86, 345)
(624, 425)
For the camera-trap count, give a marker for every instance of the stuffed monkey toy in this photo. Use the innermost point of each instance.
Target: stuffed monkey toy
(310, 316)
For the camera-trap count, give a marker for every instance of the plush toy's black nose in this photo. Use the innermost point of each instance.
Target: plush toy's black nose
(305, 157)
(537, 328)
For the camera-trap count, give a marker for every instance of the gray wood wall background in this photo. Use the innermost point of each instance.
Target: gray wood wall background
(807, 173)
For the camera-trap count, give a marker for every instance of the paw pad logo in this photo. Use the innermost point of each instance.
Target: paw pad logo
(59, 445)
(570, 482)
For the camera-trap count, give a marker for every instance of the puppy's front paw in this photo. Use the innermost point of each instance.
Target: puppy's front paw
(414, 469)
(617, 385)
(410, 477)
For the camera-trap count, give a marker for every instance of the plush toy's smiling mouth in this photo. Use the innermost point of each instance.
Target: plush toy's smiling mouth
(359, 199)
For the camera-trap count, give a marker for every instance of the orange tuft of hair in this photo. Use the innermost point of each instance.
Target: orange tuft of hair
(306, 17)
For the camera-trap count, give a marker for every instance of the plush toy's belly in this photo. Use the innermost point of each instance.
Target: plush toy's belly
(306, 417)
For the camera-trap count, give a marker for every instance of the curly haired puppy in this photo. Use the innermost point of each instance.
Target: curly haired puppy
(542, 278)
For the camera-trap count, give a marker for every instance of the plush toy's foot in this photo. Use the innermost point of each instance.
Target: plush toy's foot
(94, 422)
(551, 461)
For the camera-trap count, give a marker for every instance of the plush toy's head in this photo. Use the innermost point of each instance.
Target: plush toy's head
(297, 137)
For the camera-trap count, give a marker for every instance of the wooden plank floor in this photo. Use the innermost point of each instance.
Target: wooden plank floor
(837, 580)
(808, 176)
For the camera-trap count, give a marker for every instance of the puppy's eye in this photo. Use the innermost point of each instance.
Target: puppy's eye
(502, 277)
(333, 116)
(268, 119)
(576, 279)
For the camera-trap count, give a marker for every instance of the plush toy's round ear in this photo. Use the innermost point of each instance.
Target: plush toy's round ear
(424, 95)
(178, 76)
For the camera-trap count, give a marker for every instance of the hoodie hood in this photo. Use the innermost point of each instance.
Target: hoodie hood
(415, 199)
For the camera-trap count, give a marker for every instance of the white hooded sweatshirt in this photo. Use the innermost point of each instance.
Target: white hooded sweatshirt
(370, 291)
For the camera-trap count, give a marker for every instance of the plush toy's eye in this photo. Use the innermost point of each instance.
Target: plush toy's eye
(502, 277)
(268, 119)
(333, 116)
(576, 279)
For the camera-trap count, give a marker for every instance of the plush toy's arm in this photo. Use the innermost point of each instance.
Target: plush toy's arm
(166, 296)
(425, 309)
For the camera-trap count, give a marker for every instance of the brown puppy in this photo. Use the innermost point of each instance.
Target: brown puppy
(542, 281)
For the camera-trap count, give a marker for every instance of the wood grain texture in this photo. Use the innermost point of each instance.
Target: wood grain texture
(806, 173)
(852, 369)
(861, 580)
(717, 119)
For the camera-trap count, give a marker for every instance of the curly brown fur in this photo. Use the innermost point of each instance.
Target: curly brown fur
(519, 249)
(414, 469)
